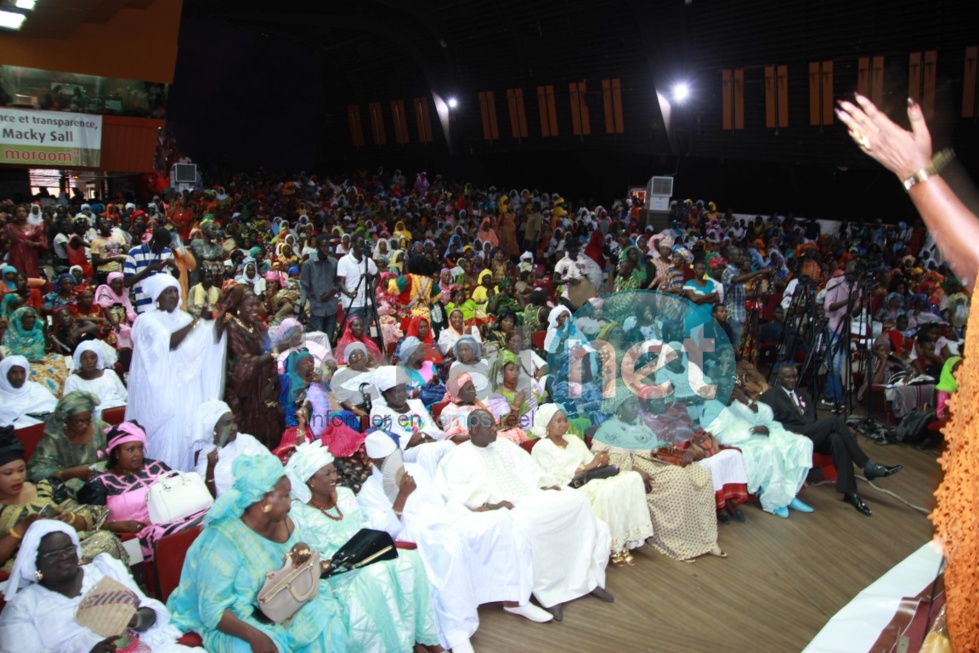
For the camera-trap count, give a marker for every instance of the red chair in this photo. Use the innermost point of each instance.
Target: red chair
(825, 464)
(29, 436)
(528, 445)
(114, 416)
(537, 339)
(170, 553)
(437, 409)
(192, 640)
(169, 561)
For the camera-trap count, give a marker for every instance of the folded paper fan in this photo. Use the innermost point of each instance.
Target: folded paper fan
(107, 608)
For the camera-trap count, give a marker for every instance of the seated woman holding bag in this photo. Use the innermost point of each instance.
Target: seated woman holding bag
(247, 534)
(124, 486)
(671, 423)
(680, 497)
(387, 605)
(618, 499)
(48, 591)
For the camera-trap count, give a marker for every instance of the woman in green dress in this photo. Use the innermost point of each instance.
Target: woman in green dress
(386, 606)
(247, 534)
(73, 438)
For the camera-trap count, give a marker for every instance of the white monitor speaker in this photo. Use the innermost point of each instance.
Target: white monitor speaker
(184, 173)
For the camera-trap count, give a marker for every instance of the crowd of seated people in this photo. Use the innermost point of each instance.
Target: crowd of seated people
(435, 361)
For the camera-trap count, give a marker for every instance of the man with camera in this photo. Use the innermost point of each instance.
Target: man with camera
(356, 276)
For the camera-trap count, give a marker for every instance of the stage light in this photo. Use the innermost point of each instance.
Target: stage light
(681, 92)
(453, 103)
(11, 19)
(25, 4)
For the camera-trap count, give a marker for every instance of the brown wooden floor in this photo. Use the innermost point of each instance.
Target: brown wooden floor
(783, 581)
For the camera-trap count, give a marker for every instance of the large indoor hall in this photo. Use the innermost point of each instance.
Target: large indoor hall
(497, 327)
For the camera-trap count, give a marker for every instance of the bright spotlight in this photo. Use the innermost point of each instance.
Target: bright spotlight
(681, 92)
(11, 20)
(25, 4)
(453, 103)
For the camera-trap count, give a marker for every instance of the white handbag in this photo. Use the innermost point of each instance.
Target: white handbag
(177, 495)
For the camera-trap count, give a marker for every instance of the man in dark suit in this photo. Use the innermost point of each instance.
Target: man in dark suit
(796, 410)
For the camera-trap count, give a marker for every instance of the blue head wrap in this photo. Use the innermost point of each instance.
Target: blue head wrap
(408, 347)
(255, 476)
(296, 383)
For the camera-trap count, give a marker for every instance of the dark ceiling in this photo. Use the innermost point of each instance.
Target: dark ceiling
(272, 85)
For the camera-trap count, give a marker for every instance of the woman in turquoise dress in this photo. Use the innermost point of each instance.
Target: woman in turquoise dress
(247, 534)
(386, 606)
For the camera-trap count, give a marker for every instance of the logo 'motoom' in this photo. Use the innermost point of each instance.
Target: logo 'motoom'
(640, 360)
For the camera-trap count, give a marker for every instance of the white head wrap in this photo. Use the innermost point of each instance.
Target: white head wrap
(379, 445)
(208, 415)
(309, 458)
(25, 564)
(5, 365)
(93, 346)
(155, 285)
(553, 335)
(386, 377)
(543, 417)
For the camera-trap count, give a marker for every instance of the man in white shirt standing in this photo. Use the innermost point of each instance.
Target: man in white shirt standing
(356, 276)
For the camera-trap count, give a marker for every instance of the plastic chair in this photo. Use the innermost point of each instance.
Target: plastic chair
(114, 416)
(29, 436)
(170, 553)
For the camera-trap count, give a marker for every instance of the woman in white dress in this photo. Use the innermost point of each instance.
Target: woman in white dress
(419, 437)
(777, 460)
(219, 443)
(19, 397)
(619, 501)
(93, 375)
(176, 365)
(47, 586)
(456, 329)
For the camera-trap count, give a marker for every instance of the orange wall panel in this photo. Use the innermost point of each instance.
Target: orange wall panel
(129, 144)
(138, 44)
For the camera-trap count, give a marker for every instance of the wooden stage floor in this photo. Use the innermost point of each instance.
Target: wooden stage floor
(782, 581)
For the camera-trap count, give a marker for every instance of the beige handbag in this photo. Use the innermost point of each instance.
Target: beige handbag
(287, 589)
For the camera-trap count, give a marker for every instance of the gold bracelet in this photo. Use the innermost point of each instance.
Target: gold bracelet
(937, 163)
(14, 534)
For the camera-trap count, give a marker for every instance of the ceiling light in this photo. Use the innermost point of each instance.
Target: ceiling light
(453, 103)
(25, 4)
(11, 19)
(681, 92)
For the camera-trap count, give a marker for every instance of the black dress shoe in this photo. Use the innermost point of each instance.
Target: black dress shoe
(602, 595)
(880, 471)
(556, 611)
(855, 501)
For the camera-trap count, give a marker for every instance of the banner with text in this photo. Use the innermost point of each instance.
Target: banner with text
(50, 138)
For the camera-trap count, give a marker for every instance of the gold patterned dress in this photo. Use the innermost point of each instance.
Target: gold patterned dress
(94, 541)
(681, 499)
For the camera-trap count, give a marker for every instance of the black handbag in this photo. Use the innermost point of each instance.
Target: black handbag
(367, 546)
(606, 471)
